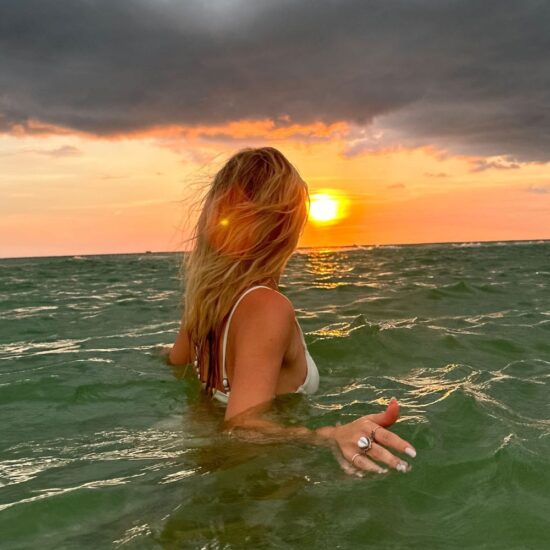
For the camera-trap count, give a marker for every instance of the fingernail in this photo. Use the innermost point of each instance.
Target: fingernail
(383, 471)
(402, 467)
(410, 451)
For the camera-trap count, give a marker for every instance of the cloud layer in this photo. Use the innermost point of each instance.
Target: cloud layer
(466, 75)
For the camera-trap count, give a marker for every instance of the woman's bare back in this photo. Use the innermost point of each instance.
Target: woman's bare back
(271, 313)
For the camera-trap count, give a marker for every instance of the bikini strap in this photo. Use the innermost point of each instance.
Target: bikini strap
(225, 381)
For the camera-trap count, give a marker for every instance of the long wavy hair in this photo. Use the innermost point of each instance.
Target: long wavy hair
(250, 221)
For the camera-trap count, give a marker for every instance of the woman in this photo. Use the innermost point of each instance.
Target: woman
(240, 332)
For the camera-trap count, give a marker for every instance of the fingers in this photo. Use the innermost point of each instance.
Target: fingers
(377, 452)
(346, 465)
(377, 424)
(389, 416)
(362, 462)
(389, 439)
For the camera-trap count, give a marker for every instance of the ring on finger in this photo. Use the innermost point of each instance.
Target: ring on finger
(364, 443)
(374, 432)
(354, 457)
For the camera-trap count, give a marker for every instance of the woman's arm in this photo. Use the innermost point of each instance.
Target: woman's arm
(180, 353)
(262, 333)
(251, 425)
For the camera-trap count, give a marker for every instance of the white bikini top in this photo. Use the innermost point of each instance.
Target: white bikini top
(311, 383)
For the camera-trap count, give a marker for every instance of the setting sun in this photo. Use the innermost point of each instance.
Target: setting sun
(327, 207)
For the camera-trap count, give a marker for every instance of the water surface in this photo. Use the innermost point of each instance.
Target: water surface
(101, 446)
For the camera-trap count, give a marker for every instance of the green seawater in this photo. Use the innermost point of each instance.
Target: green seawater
(102, 446)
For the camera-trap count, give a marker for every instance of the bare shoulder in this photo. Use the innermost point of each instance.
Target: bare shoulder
(264, 309)
(267, 300)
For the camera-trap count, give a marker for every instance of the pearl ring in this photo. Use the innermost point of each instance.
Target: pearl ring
(364, 443)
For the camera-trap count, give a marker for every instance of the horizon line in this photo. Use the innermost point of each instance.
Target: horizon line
(301, 248)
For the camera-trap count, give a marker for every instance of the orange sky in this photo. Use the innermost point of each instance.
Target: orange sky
(68, 193)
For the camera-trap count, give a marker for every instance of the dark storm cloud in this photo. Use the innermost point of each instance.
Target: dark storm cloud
(470, 75)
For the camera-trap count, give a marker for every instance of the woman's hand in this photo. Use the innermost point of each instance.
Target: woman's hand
(353, 459)
(164, 352)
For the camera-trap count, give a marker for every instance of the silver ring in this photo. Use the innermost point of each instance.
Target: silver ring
(364, 443)
(354, 457)
(374, 432)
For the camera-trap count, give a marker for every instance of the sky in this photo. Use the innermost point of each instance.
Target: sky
(430, 117)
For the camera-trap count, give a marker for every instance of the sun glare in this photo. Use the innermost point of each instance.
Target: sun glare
(327, 208)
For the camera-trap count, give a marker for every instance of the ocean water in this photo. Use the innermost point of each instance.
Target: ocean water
(102, 445)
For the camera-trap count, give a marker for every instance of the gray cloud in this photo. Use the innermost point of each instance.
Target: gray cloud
(499, 164)
(538, 189)
(436, 174)
(58, 152)
(469, 76)
(63, 151)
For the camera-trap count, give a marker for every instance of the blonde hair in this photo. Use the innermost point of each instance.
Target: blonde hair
(250, 221)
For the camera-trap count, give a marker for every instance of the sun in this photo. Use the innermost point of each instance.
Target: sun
(327, 208)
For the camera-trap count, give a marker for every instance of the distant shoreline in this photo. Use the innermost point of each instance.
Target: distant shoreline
(300, 249)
